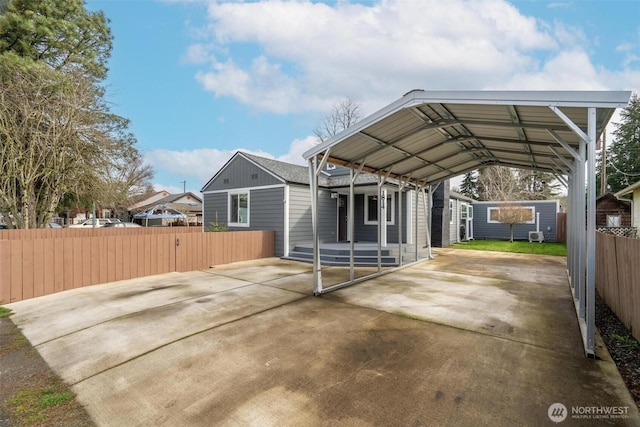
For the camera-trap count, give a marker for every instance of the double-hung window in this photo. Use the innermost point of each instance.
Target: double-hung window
(239, 209)
(371, 209)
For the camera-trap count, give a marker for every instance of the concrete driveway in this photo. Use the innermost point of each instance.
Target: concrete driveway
(470, 338)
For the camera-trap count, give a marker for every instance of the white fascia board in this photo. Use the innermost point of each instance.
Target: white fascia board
(515, 201)
(628, 189)
(598, 99)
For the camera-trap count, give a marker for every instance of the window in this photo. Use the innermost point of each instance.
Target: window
(613, 220)
(463, 211)
(527, 214)
(470, 212)
(239, 209)
(371, 209)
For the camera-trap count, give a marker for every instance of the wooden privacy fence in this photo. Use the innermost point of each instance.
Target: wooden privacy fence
(45, 263)
(618, 277)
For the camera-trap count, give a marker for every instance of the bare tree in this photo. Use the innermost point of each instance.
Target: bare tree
(343, 115)
(122, 178)
(56, 136)
(498, 183)
(511, 215)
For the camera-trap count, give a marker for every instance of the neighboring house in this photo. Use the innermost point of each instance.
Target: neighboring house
(187, 203)
(612, 211)
(256, 193)
(543, 218)
(150, 200)
(634, 190)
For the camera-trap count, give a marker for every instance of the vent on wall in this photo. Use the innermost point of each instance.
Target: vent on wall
(536, 236)
(254, 176)
(226, 180)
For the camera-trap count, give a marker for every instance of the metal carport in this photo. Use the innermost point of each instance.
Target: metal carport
(426, 137)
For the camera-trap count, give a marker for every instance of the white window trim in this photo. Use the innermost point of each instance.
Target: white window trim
(393, 210)
(493, 208)
(229, 216)
(451, 211)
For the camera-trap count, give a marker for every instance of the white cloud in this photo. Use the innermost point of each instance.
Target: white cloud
(297, 149)
(313, 53)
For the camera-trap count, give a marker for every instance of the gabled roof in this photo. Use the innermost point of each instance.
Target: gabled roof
(429, 136)
(614, 198)
(286, 171)
(171, 198)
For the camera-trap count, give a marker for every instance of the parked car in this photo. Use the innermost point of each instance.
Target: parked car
(54, 225)
(99, 222)
(122, 224)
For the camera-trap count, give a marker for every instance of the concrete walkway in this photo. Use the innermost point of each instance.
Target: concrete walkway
(470, 338)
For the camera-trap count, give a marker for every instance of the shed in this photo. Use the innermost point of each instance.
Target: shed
(612, 211)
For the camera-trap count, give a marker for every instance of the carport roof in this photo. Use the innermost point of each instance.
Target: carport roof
(429, 136)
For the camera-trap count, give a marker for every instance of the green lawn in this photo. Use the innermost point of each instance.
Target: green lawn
(558, 249)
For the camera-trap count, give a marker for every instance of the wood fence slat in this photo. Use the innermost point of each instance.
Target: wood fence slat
(16, 271)
(86, 263)
(38, 268)
(27, 269)
(49, 258)
(5, 271)
(58, 265)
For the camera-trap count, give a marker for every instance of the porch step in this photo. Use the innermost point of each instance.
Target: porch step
(340, 257)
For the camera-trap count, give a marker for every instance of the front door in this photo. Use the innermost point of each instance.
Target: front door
(342, 217)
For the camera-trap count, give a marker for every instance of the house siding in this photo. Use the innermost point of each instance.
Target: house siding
(300, 226)
(636, 208)
(266, 212)
(214, 209)
(548, 221)
(241, 173)
(423, 219)
(454, 222)
(369, 232)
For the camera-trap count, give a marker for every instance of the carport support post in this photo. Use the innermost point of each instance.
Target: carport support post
(415, 220)
(581, 231)
(591, 233)
(400, 234)
(351, 223)
(380, 182)
(313, 180)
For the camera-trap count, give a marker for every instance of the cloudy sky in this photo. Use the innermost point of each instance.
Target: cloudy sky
(200, 80)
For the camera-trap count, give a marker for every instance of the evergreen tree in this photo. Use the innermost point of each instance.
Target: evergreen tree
(623, 164)
(57, 135)
(469, 185)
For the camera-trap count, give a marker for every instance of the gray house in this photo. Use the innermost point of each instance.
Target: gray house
(541, 218)
(255, 193)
